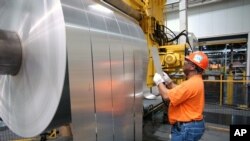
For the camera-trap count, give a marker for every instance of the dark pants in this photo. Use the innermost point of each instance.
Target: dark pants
(191, 131)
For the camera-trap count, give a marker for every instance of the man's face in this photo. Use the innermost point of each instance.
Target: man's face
(188, 66)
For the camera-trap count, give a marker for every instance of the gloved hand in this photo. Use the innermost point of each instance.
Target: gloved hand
(166, 78)
(158, 79)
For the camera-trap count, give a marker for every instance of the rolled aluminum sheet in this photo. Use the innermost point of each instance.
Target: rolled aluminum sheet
(29, 100)
(107, 58)
(107, 64)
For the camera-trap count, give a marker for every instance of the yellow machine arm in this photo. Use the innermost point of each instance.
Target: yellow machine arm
(150, 15)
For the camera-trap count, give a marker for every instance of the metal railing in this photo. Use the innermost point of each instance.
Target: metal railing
(228, 90)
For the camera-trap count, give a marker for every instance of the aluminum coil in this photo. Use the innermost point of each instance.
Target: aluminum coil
(29, 100)
(106, 60)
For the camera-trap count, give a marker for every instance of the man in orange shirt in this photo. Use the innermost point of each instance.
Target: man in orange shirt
(186, 101)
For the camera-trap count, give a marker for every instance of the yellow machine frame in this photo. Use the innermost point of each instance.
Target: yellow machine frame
(171, 56)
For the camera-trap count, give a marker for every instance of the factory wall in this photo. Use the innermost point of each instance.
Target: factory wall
(228, 17)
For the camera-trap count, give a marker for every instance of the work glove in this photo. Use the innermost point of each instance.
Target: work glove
(158, 79)
(166, 78)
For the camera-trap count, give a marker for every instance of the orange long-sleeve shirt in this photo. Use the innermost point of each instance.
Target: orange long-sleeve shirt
(187, 100)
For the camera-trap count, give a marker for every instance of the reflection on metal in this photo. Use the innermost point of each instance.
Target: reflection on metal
(122, 6)
(29, 99)
(150, 96)
(156, 60)
(106, 59)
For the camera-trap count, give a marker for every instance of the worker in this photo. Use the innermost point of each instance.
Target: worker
(186, 100)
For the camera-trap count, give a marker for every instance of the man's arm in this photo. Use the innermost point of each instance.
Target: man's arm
(168, 81)
(170, 85)
(163, 91)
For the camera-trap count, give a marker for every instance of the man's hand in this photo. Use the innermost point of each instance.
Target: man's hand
(166, 78)
(158, 79)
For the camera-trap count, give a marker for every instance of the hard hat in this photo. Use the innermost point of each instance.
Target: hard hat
(199, 58)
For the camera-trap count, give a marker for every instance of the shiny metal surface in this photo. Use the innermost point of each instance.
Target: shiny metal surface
(102, 78)
(106, 54)
(117, 81)
(156, 60)
(140, 75)
(28, 100)
(10, 52)
(80, 70)
(106, 88)
(120, 5)
(129, 80)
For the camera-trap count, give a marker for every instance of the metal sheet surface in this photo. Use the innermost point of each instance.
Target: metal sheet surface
(80, 71)
(156, 59)
(102, 51)
(117, 79)
(102, 77)
(34, 93)
(112, 48)
(129, 81)
(139, 76)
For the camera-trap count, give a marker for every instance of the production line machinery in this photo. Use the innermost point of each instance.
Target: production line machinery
(65, 62)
